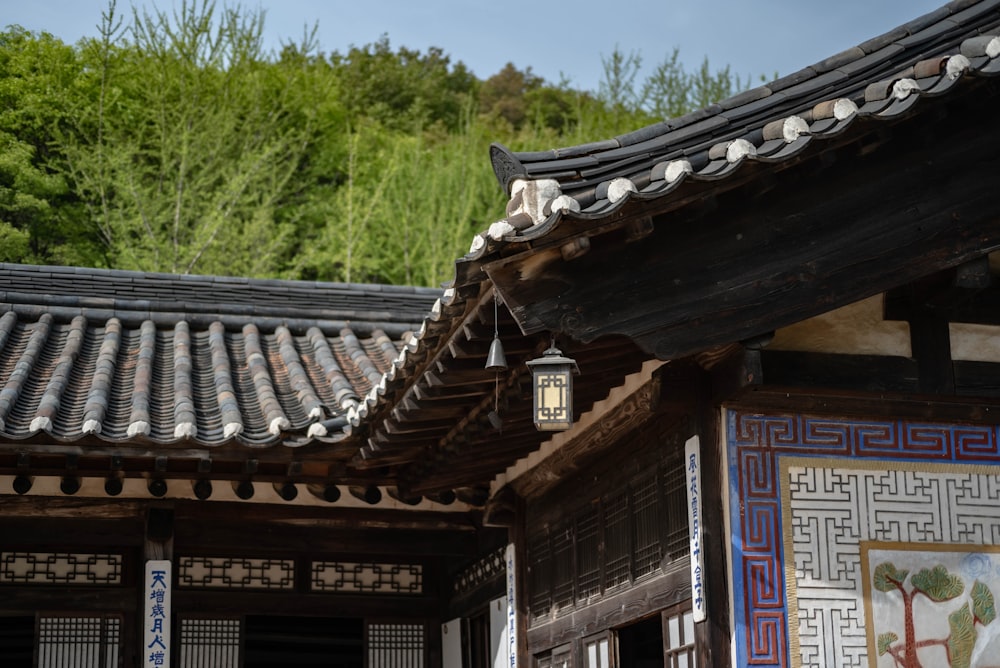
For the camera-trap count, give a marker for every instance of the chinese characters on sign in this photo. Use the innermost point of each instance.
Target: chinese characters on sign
(156, 620)
(692, 469)
(511, 607)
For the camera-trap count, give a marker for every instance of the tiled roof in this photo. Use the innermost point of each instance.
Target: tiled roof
(111, 356)
(120, 356)
(881, 79)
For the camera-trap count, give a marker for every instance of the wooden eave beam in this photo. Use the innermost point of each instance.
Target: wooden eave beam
(848, 403)
(829, 233)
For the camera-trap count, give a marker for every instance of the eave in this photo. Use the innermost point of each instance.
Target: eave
(877, 205)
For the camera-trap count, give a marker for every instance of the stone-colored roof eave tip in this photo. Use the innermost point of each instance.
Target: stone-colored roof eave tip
(778, 139)
(956, 18)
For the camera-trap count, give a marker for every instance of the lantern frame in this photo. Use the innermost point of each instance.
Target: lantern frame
(552, 390)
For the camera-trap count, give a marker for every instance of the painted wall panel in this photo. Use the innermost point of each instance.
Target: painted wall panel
(856, 543)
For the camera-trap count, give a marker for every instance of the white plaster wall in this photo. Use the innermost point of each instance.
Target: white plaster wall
(857, 329)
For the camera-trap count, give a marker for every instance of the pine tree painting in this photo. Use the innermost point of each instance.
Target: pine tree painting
(939, 586)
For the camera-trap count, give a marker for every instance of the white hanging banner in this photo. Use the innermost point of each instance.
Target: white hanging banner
(156, 620)
(499, 648)
(451, 644)
(692, 468)
(511, 606)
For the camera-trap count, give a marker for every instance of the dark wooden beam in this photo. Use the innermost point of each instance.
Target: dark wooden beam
(846, 403)
(278, 603)
(863, 373)
(930, 343)
(31, 599)
(634, 603)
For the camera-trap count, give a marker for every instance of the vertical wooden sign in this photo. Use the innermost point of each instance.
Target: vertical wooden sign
(156, 620)
(692, 469)
(511, 606)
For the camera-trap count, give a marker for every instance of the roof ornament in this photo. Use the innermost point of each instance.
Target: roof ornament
(738, 149)
(619, 189)
(956, 66)
(902, 88)
(786, 129)
(528, 199)
(677, 169)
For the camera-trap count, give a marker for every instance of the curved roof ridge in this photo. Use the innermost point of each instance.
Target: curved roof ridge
(128, 292)
(843, 75)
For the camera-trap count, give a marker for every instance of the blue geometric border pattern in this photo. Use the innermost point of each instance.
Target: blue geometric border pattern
(754, 443)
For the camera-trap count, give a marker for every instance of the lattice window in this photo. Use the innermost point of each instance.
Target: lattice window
(396, 645)
(562, 566)
(60, 568)
(588, 555)
(235, 573)
(678, 642)
(676, 542)
(597, 651)
(560, 657)
(489, 567)
(609, 543)
(334, 576)
(208, 643)
(539, 574)
(648, 526)
(79, 641)
(617, 546)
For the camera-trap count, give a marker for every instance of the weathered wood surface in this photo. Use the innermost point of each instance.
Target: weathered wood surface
(31, 599)
(616, 610)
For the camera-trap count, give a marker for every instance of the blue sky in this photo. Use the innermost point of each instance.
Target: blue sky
(556, 39)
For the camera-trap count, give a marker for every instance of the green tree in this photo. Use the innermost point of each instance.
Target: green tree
(403, 89)
(40, 221)
(173, 142)
(187, 147)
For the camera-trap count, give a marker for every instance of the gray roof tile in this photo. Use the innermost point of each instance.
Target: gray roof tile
(88, 359)
(865, 75)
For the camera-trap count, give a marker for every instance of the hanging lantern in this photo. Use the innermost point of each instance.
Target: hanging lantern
(552, 376)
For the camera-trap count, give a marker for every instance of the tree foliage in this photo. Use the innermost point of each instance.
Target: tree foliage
(172, 141)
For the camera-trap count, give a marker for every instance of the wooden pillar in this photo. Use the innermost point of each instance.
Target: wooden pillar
(159, 538)
(517, 534)
(930, 342)
(737, 370)
(158, 544)
(713, 634)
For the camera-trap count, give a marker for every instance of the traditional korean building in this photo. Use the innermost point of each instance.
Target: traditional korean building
(780, 449)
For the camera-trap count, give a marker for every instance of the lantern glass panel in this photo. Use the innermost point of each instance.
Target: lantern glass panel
(553, 392)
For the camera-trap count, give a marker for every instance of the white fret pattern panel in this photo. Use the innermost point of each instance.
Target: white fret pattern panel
(235, 573)
(60, 568)
(832, 506)
(368, 578)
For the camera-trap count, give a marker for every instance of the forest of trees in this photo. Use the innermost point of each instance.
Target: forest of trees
(173, 142)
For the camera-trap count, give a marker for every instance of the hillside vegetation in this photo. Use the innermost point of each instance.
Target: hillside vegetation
(172, 142)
